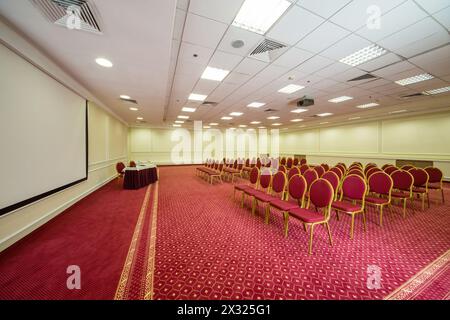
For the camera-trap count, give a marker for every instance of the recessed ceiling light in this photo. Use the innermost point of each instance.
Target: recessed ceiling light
(324, 122)
(259, 15)
(363, 55)
(140, 118)
(367, 105)
(176, 125)
(214, 74)
(340, 99)
(243, 126)
(273, 117)
(236, 114)
(296, 120)
(255, 122)
(134, 109)
(213, 124)
(437, 91)
(291, 88)
(197, 97)
(124, 96)
(415, 79)
(179, 121)
(397, 111)
(104, 62)
(299, 110)
(261, 127)
(188, 109)
(183, 117)
(277, 124)
(206, 127)
(232, 128)
(302, 126)
(256, 104)
(325, 114)
(354, 118)
(226, 118)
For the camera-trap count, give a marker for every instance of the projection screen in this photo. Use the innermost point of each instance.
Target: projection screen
(43, 134)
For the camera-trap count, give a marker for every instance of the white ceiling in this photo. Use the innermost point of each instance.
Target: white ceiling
(153, 43)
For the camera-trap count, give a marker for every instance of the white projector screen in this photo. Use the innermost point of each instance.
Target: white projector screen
(43, 134)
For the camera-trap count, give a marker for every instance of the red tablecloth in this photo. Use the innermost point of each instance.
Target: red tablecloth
(136, 178)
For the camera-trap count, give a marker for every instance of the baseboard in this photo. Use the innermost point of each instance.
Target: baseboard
(19, 234)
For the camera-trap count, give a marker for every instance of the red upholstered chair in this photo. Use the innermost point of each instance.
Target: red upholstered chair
(237, 171)
(325, 167)
(303, 168)
(342, 167)
(372, 171)
(333, 179)
(380, 189)
(390, 169)
(321, 196)
(282, 168)
(283, 161)
(368, 167)
(403, 185)
(295, 198)
(386, 165)
(293, 171)
(289, 163)
(355, 166)
(264, 185)
(341, 164)
(247, 168)
(357, 172)
(258, 163)
(352, 199)
(119, 168)
(302, 161)
(337, 171)
(407, 167)
(435, 180)
(420, 185)
(276, 192)
(217, 174)
(320, 170)
(253, 182)
(132, 164)
(310, 176)
(295, 163)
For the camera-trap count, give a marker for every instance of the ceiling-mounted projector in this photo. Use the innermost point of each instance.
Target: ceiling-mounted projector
(305, 101)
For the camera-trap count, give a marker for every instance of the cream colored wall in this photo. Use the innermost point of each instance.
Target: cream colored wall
(425, 137)
(107, 145)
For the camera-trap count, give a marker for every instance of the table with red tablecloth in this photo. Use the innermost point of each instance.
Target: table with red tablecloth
(140, 176)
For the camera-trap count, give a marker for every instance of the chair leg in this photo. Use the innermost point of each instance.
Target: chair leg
(364, 219)
(311, 239)
(243, 199)
(428, 200)
(381, 216)
(442, 193)
(329, 233)
(351, 226)
(286, 223)
(404, 207)
(267, 213)
(254, 204)
(337, 215)
(390, 209)
(423, 201)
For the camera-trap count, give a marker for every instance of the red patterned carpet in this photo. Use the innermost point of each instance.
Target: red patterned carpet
(209, 248)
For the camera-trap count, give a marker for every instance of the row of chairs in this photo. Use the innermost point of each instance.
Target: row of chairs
(306, 195)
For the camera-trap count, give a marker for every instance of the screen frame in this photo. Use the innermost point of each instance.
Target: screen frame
(26, 202)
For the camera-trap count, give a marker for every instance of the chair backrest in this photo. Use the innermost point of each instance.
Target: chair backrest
(293, 171)
(387, 165)
(355, 166)
(282, 168)
(407, 167)
(279, 182)
(420, 177)
(289, 162)
(342, 165)
(119, 167)
(310, 176)
(434, 174)
(337, 171)
(297, 189)
(235, 164)
(356, 172)
(254, 175)
(240, 166)
(333, 179)
(283, 161)
(390, 169)
(372, 171)
(220, 167)
(265, 179)
(321, 195)
(258, 162)
(325, 166)
(247, 162)
(303, 168)
(320, 170)
(295, 163)
(132, 163)
(403, 180)
(216, 165)
(368, 167)
(353, 187)
(380, 182)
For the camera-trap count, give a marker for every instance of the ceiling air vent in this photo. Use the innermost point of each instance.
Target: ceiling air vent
(419, 94)
(270, 110)
(209, 104)
(363, 77)
(72, 14)
(268, 50)
(128, 100)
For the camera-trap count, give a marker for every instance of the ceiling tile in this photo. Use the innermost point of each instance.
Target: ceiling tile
(223, 90)
(183, 4)
(394, 69)
(250, 66)
(187, 52)
(379, 62)
(398, 18)
(349, 74)
(312, 65)
(333, 69)
(323, 8)
(443, 17)
(237, 78)
(294, 25)
(202, 31)
(292, 58)
(433, 5)
(224, 60)
(205, 86)
(436, 62)
(223, 11)
(323, 37)
(250, 40)
(373, 83)
(347, 46)
(417, 47)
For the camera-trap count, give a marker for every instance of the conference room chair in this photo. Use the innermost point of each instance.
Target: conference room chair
(303, 161)
(303, 168)
(237, 171)
(252, 183)
(320, 170)
(357, 172)
(407, 167)
(275, 192)
(263, 187)
(247, 168)
(282, 168)
(293, 171)
(403, 185)
(334, 180)
(390, 169)
(380, 189)
(355, 166)
(295, 163)
(368, 167)
(420, 185)
(119, 168)
(387, 165)
(321, 197)
(342, 167)
(337, 171)
(132, 164)
(258, 163)
(217, 174)
(372, 171)
(435, 177)
(283, 161)
(310, 176)
(325, 166)
(352, 200)
(289, 162)
(341, 164)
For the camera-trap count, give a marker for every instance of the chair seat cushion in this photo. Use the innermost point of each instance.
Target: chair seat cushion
(306, 215)
(264, 197)
(345, 206)
(253, 192)
(434, 186)
(400, 194)
(234, 171)
(378, 201)
(419, 190)
(247, 168)
(242, 187)
(283, 205)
